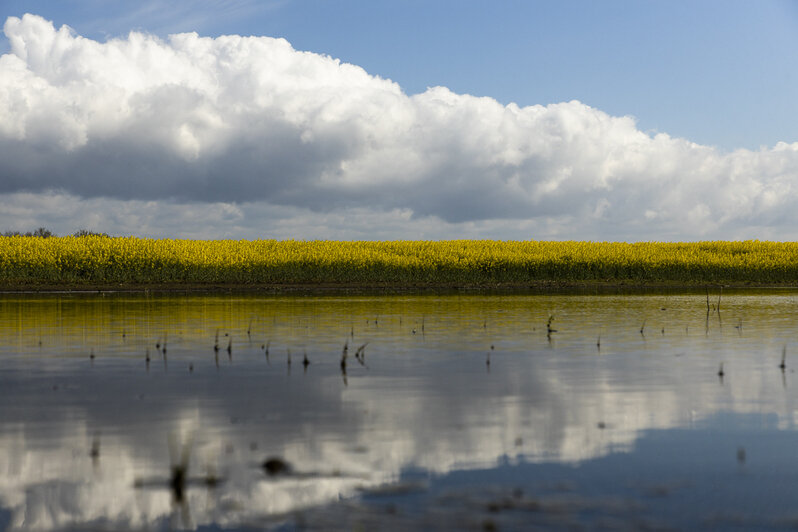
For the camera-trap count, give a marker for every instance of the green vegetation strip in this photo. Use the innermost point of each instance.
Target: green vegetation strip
(98, 261)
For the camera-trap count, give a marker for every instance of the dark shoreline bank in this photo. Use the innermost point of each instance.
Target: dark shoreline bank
(542, 287)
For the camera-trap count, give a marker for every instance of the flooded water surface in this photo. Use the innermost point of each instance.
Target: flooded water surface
(469, 411)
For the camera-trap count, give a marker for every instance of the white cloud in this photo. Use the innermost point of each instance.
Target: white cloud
(144, 126)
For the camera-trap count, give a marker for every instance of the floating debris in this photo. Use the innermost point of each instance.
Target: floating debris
(275, 467)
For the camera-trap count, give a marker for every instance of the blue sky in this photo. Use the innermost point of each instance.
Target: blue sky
(337, 153)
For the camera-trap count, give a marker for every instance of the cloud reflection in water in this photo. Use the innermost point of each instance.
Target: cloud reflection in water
(86, 442)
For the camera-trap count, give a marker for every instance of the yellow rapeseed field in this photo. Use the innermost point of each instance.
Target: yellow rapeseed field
(97, 260)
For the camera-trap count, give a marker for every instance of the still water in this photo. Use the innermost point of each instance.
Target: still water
(122, 411)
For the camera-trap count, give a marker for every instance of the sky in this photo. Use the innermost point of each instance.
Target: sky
(434, 119)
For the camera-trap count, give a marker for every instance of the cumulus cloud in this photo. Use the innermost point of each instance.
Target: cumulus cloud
(280, 136)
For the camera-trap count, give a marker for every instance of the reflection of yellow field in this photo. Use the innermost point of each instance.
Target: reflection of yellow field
(98, 260)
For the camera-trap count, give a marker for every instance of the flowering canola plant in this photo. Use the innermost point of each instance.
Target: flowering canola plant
(99, 260)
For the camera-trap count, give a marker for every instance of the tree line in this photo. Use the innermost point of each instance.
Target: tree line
(43, 232)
